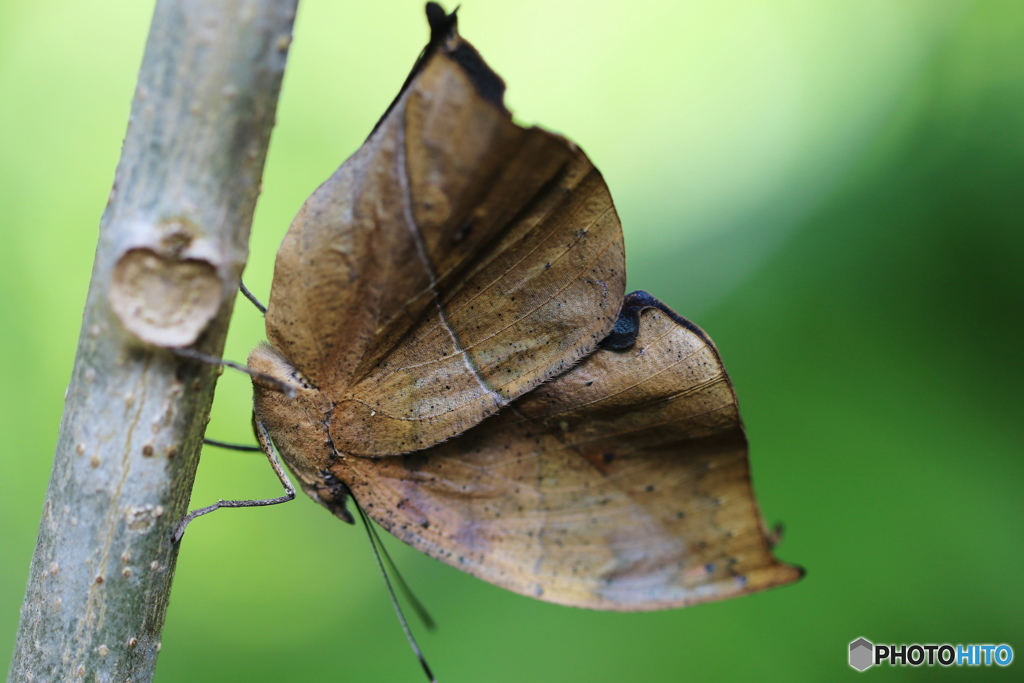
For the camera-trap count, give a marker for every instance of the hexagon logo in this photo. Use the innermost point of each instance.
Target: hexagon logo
(862, 654)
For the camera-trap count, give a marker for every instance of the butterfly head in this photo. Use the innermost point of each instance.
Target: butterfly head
(298, 424)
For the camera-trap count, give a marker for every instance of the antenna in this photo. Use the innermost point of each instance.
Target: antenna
(414, 602)
(391, 594)
(252, 297)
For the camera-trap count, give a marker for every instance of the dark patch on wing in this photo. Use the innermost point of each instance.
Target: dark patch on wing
(627, 326)
(487, 83)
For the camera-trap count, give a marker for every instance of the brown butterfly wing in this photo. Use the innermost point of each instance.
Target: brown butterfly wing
(622, 484)
(455, 262)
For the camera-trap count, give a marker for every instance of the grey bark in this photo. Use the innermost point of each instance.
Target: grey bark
(172, 244)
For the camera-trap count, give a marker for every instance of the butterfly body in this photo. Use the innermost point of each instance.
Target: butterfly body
(298, 425)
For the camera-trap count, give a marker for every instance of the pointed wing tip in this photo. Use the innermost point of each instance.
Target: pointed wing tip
(441, 23)
(775, 575)
(782, 574)
(445, 39)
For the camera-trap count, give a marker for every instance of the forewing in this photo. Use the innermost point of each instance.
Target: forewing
(452, 264)
(621, 485)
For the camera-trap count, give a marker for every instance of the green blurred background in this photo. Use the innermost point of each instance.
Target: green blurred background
(832, 190)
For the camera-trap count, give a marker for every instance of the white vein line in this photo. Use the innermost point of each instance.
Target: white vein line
(552, 232)
(459, 349)
(421, 249)
(572, 281)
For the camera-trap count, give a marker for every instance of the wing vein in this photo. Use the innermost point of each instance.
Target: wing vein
(421, 250)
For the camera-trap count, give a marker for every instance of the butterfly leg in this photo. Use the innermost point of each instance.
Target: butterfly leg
(275, 383)
(252, 297)
(275, 463)
(232, 446)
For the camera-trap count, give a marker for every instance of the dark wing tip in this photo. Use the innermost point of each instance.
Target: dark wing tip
(441, 23)
(444, 37)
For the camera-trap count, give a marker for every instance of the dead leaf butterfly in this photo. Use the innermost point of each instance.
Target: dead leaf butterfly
(448, 312)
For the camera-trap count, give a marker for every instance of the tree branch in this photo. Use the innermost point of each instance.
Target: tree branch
(173, 241)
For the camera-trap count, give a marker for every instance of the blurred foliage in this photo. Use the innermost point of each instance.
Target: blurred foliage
(832, 190)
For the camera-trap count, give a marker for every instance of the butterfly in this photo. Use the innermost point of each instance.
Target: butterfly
(449, 319)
